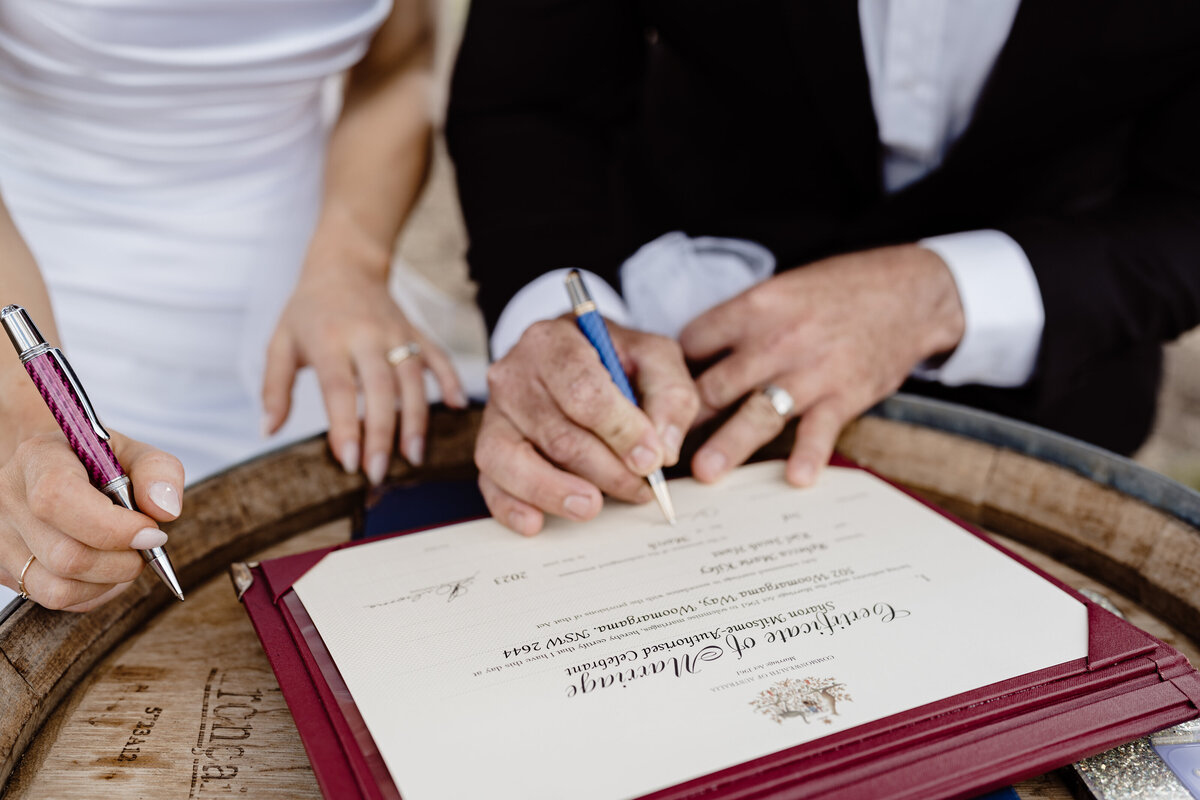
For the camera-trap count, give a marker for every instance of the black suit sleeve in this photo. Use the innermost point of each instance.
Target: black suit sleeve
(542, 97)
(1120, 278)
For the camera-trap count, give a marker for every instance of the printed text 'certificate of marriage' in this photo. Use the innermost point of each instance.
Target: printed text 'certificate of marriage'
(613, 658)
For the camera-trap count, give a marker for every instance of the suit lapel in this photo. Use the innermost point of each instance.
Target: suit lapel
(827, 48)
(1030, 82)
(1025, 103)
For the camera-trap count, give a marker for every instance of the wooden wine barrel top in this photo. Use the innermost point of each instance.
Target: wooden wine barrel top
(149, 698)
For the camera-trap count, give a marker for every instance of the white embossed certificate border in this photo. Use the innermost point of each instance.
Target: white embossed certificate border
(609, 659)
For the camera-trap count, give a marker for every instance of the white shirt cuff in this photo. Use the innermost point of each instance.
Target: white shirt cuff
(545, 297)
(675, 278)
(1002, 307)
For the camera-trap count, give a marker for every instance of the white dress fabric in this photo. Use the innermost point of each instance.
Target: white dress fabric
(163, 160)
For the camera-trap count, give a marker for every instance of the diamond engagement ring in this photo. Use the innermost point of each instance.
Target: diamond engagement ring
(398, 355)
(780, 399)
(21, 581)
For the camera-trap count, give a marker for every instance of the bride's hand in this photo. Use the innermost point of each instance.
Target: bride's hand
(341, 321)
(82, 545)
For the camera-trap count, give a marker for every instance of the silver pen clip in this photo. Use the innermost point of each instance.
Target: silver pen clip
(65, 366)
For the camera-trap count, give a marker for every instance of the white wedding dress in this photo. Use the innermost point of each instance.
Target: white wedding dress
(163, 160)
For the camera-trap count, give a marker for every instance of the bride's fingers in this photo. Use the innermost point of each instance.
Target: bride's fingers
(414, 408)
(278, 379)
(58, 593)
(379, 410)
(157, 477)
(447, 377)
(100, 600)
(340, 392)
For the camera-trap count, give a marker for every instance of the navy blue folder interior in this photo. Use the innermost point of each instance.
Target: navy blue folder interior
(409, 506)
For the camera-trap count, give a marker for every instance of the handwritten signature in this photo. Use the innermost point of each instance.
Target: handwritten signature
(704, 513)
(452, 590)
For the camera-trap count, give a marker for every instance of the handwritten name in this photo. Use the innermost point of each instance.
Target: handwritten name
(451, 590)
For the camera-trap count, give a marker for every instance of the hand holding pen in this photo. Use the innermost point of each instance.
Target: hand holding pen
(63, 543)
(591, 323)
(557, 432)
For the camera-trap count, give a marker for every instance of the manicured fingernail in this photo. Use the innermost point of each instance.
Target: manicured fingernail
(643, 458)
(414, 450)
(460, 399)
(147, 538)
(377, 468)
(265, 426)
(350, 457)
(522, 522)
(672, 439)
(711, 464)
(165, 497)
(803, 474)
(578, 506)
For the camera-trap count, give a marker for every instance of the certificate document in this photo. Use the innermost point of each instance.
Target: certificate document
(613, 658)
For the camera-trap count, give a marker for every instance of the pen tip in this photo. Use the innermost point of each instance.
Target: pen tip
(173, 585)
(166, 573)
(659, 484)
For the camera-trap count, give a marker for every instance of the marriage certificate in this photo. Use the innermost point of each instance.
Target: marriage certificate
(613, 658)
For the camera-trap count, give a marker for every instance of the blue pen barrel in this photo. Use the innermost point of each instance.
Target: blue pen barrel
(593, 327)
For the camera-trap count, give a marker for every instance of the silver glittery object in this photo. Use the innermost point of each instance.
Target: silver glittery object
(1133, 771)
(1183, 733)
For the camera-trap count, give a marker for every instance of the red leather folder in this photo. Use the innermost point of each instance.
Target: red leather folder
(1130, 684)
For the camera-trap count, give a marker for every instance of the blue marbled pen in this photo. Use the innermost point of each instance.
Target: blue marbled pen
(593, 327)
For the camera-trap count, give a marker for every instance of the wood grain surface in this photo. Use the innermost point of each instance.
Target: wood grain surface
(186, 707)
(44, 654)
(165, 700)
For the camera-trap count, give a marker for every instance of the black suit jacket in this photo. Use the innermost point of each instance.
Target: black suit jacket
(584, 128)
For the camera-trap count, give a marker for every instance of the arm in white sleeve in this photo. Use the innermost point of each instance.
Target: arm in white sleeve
(545, 297)
(669, 281)
(1002, 307)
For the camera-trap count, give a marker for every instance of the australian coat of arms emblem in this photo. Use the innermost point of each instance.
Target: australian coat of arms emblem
(810, 699)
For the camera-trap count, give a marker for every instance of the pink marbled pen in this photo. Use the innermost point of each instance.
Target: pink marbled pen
(69, 404)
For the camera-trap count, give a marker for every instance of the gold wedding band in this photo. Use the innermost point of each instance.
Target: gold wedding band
(21, 582)
(780, 399)
(398, 355)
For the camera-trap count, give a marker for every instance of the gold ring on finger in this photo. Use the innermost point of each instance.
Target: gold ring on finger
(398, 355)
(21, 581)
